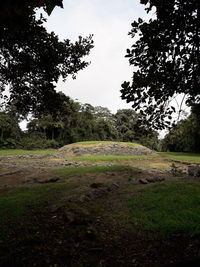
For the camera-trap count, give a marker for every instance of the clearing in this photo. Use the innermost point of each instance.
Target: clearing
(98, 204)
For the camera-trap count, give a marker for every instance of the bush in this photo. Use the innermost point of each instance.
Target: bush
(9, 143)
(37, 140)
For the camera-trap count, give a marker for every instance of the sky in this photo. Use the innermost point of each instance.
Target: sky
(109, 22)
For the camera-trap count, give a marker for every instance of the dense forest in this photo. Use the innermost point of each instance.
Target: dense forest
(71, 122)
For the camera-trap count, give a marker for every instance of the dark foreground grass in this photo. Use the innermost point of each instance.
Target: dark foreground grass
(28, 228)
(90, 169)
(15, 203)
(190, 157)
(168, 208)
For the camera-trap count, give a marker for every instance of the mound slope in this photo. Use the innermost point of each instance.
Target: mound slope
(105, 148)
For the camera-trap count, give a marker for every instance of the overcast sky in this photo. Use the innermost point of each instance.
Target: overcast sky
(109, 21)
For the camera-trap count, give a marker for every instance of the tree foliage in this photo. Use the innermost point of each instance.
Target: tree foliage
(130, 129)
(10, 131)
(32, 60)
(166, 55)
(72, 122)
(185, 136)
(10, 9)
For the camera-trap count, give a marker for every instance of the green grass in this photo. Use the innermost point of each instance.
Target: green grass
(168, 208)
(87, 143)
(190, 157)
(90, 169)
(16, 152)
(111, 158)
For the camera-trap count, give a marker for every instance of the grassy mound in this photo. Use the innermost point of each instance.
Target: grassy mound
(88, 143)
(105, 148)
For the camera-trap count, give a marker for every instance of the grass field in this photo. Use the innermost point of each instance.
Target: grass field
(90, 169)
(170, 208)
(190, 157)
(15, 152)
(111, 158)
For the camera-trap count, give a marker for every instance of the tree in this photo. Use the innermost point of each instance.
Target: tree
(57, 122)
(103, 113)
(167, 59)
(72, 122)
(9, 129)
(185, 136)
(126, 124)
(10, 9)
(130, 129)
(32, 60)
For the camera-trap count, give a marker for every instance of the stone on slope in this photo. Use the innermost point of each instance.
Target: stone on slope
(105, 149)
(194, 170)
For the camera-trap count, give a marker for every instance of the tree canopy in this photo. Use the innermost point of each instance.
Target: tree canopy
(10, 9)
(72, 122)
(166, 55)
(32, 60)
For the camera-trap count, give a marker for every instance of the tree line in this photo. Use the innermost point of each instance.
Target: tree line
(72, 122)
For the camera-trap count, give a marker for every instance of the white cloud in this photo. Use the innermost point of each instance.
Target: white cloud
(110, 22)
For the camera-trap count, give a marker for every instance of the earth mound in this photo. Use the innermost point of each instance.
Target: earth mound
(105, 149)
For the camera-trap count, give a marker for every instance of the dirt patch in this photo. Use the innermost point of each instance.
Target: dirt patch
(15, 172)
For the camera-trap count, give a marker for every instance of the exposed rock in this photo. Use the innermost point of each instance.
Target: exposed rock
(54, 208)
(143, 181)
(96, 185)
(10, 173)
(95, 193)
(160, 179)
(31, 180)
(49, 180)
(2, 158)
(77, 217)
(112, 187)
(98, 192)
(175, 170)
(151, 180)
(84, 198)
(155, 179)
(194, 170)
